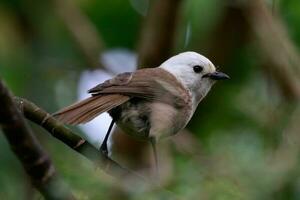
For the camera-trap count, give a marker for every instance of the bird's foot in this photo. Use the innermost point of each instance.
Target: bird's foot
(104, 150)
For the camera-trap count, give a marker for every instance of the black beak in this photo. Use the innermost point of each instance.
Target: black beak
(216, 76)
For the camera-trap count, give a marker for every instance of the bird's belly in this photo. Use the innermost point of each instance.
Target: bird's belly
(141, 119)
(133, 118)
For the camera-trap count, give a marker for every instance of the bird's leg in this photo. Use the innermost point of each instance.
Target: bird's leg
(103, 147)
(153, 145)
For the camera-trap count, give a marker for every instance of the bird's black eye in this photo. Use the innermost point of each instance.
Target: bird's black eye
(198, 68)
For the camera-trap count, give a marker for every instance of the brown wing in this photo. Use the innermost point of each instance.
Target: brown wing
(153, 84)
(150, 84)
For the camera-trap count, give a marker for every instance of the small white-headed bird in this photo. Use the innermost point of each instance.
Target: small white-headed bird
(149, 103)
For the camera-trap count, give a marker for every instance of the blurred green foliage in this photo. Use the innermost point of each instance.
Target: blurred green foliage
(239, 124)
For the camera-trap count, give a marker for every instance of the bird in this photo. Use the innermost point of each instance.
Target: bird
(150, 103)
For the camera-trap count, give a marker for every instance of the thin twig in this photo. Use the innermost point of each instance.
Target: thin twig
(65, 135)
(33, 157)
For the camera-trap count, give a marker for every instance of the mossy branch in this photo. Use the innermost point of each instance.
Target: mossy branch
(68, 137)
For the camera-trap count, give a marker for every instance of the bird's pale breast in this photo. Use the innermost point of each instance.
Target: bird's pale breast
(143, 119)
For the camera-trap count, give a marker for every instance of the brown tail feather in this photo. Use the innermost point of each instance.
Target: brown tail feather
(86, 110)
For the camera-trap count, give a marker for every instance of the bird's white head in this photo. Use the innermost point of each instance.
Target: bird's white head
(195, 72)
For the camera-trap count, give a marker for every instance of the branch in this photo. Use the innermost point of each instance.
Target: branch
(158, 33)
(34, 159)
(65, 135)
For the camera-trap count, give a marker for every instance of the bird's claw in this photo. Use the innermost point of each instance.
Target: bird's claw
(104, 150)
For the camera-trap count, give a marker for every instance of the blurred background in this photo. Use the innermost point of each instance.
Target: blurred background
(243, 141)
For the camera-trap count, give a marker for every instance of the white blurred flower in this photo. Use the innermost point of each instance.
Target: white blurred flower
(95, 130)
(119, 60)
